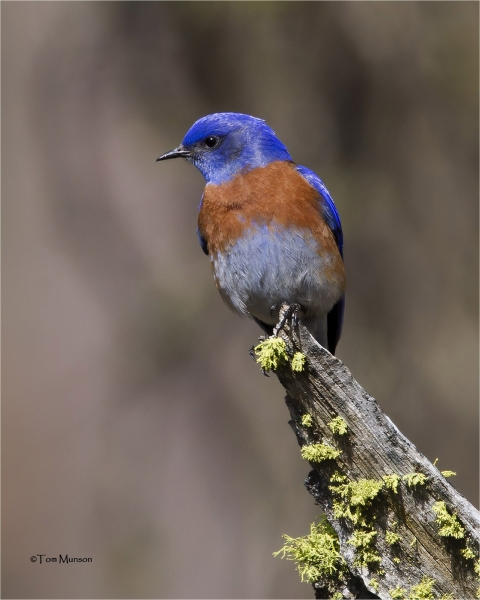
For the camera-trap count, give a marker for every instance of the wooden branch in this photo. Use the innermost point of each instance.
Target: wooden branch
(426, 533)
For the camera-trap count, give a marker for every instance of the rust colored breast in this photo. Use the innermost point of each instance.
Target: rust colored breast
(275, 195)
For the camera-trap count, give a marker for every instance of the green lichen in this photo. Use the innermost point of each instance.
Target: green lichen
(307, 420)
(338, 425)
(397, 593)
(271, 353)
(317, 555)
(423, 590)
(337, 596)
(338, 478)
(396, 560)
(361, 492)
(467, 553)
(449, 525)
(319, 452)
(298, 362)
(374, 584)
(391, 482)
(365, 553)
(392, 538)
(357, 497)
(414, 479)
(448, 474)
(476, 568)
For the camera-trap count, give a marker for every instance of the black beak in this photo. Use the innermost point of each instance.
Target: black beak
(176, 153)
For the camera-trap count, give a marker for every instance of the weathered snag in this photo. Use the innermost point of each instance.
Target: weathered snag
(379, 483)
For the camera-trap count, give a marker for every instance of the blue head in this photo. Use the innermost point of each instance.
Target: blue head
(225, 144)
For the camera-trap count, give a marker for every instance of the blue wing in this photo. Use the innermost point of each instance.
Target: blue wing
(328, 208)
(332, 218)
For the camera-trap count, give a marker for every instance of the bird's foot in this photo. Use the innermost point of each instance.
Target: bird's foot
(287, 311)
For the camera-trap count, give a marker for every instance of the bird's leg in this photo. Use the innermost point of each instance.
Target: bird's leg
(286, 312)
(295, 308)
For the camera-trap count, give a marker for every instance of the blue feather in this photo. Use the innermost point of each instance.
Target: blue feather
(244, 143)
(328, 208)
(332, 218)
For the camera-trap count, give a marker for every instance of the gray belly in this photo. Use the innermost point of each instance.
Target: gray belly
(267, 267)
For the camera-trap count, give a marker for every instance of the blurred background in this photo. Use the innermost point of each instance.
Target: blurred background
(136, 428)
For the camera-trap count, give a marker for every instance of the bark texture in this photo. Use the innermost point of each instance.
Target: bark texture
(426, 548)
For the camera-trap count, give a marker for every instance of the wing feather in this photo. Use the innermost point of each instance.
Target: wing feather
(332, 218)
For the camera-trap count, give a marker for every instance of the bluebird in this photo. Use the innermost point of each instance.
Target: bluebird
(269, 226)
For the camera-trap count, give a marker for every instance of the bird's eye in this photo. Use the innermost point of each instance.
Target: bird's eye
(211, 141)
